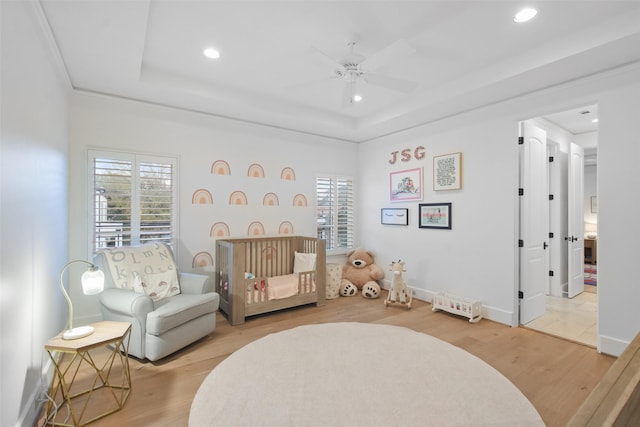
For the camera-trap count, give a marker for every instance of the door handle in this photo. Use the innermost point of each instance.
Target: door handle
(571, 238)
(544, 245)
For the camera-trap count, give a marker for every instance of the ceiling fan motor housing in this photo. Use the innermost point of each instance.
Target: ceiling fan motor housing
(350, 69)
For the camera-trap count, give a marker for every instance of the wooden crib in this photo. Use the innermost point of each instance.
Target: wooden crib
(247, 267)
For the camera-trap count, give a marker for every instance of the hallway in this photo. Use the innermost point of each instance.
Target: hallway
(575, 319)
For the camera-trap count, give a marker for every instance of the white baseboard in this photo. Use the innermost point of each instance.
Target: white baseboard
(33, 407)
(499, 315)
(488, 312)
(611, 346)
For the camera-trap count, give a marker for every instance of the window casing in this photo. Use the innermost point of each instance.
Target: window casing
(334, 204)
(133, 199)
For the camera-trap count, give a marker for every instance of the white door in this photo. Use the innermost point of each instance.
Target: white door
(534, 222)
(575, 213)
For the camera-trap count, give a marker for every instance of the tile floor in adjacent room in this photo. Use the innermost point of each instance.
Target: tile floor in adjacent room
(571, 318)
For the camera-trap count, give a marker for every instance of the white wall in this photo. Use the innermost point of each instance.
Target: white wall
(33, 197)
(618, 207)
(198, 141)
(476, 258)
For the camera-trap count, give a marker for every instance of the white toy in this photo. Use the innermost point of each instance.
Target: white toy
(399, 291)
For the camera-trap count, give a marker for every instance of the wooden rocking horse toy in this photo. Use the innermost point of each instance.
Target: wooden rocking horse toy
(399, 291)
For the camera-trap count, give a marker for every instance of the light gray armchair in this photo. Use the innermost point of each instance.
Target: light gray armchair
(167, 309)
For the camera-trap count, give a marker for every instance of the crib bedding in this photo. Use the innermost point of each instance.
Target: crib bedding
(280, 287)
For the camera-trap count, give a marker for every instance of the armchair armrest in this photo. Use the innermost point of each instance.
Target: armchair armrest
(127, 302)
(191, 283)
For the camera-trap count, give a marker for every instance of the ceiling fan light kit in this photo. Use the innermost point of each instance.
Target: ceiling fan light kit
(525, 15)
(211, 53)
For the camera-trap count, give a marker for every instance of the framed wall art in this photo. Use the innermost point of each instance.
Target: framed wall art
(405, 185)
(394, 216)
(434, 215)
(447, 172)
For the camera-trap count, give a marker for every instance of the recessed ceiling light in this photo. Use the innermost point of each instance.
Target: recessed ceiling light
(211, 53)
(525, 14)
(594, 120)
(357, 98)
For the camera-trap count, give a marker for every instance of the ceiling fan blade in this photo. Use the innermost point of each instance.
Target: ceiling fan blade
(325, 57)
(307, 83)
(396, 50)
(399, 85)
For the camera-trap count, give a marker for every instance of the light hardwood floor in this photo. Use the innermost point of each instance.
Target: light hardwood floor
(556, 375)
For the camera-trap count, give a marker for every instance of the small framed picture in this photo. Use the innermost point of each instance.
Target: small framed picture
(435, 215)
(405, 185)
(447, 172)
(394, 216)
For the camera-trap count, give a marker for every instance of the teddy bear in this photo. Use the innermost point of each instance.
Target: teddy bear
(360, 273)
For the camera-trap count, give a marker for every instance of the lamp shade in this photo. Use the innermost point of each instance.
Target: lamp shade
(590, 230)
(92, 281)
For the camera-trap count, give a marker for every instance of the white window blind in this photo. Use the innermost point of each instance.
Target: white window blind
(134, 199)
(156, 202)
(334, 201)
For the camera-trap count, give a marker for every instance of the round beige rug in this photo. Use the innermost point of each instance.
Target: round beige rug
(357, 374)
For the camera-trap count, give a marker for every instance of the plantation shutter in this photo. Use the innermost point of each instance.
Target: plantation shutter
(112, 180)
(344, 213)
(134, 199)
(156, 202)
(335, 211)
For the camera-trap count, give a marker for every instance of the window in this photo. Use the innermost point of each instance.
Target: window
(334, 201)
(133, 199)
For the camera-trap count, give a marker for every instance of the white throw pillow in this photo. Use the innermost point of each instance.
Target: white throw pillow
(158, 285)
(304, 262)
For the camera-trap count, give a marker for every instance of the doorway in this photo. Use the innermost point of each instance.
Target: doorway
(569, 313)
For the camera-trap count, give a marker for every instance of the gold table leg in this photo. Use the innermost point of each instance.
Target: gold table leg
(115, 386)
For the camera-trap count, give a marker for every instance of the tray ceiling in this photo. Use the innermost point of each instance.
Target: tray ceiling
(467, 54)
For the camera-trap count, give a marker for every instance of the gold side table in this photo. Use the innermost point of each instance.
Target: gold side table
(91, 373)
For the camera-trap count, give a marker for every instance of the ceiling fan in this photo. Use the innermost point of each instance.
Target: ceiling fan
(354, 67)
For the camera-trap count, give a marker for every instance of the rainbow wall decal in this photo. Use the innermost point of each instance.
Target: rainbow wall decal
(202, 197)
(255, 229)
(255, 171)
(220, 167)
(238, 198)
(288, 174)
(299, 200)
(202, 259)
(219, 229)
(270, 199)
(285, 228)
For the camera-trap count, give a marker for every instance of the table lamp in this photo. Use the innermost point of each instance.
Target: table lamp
(590, 230)
(92, 283)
